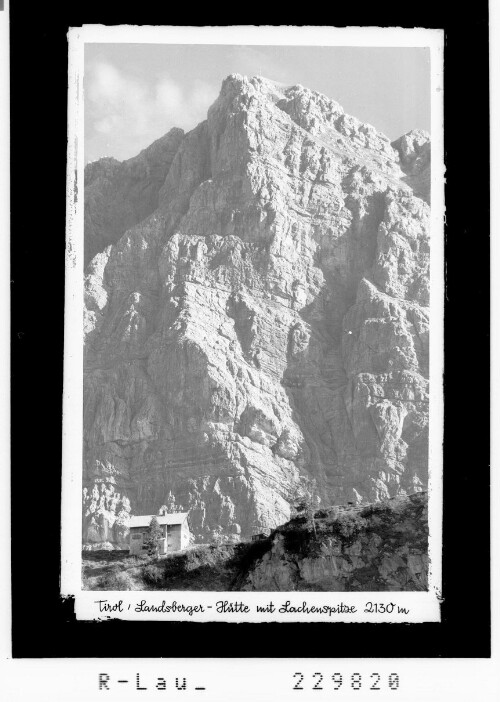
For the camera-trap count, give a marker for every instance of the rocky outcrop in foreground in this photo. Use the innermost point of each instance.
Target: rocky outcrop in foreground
(257, 297)
(380, 547)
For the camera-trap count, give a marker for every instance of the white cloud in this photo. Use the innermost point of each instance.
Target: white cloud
(202, 95)
(131, 114)
(251, 61)
(106, 125)
(169, 96)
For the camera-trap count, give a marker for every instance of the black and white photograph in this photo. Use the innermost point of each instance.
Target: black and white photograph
(249, 333)
(256, 274)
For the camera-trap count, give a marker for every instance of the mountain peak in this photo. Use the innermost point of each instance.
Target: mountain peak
(259, 316)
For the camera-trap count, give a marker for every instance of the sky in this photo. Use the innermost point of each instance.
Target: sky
(135, 93)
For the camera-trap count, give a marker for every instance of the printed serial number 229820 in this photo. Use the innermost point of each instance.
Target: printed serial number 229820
(355, 681)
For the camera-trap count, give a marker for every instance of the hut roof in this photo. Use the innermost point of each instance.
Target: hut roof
(144, 520)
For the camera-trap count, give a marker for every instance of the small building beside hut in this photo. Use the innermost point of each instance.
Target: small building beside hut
(175, 530)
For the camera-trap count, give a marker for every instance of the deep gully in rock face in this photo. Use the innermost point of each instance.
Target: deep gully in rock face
(270, 300)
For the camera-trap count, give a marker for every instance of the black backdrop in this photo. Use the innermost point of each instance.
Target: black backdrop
(43, 624)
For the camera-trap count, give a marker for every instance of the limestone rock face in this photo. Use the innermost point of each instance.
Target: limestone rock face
(106, 516)
(414, 149)
(118, 195)
(262, 316)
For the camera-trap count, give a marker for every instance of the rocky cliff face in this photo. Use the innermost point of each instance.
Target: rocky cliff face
(256, 311)
(119, 195)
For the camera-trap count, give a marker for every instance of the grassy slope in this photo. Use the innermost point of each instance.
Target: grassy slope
(206, 567)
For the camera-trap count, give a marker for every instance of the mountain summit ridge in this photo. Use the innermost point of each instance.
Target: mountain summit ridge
(263, 319)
